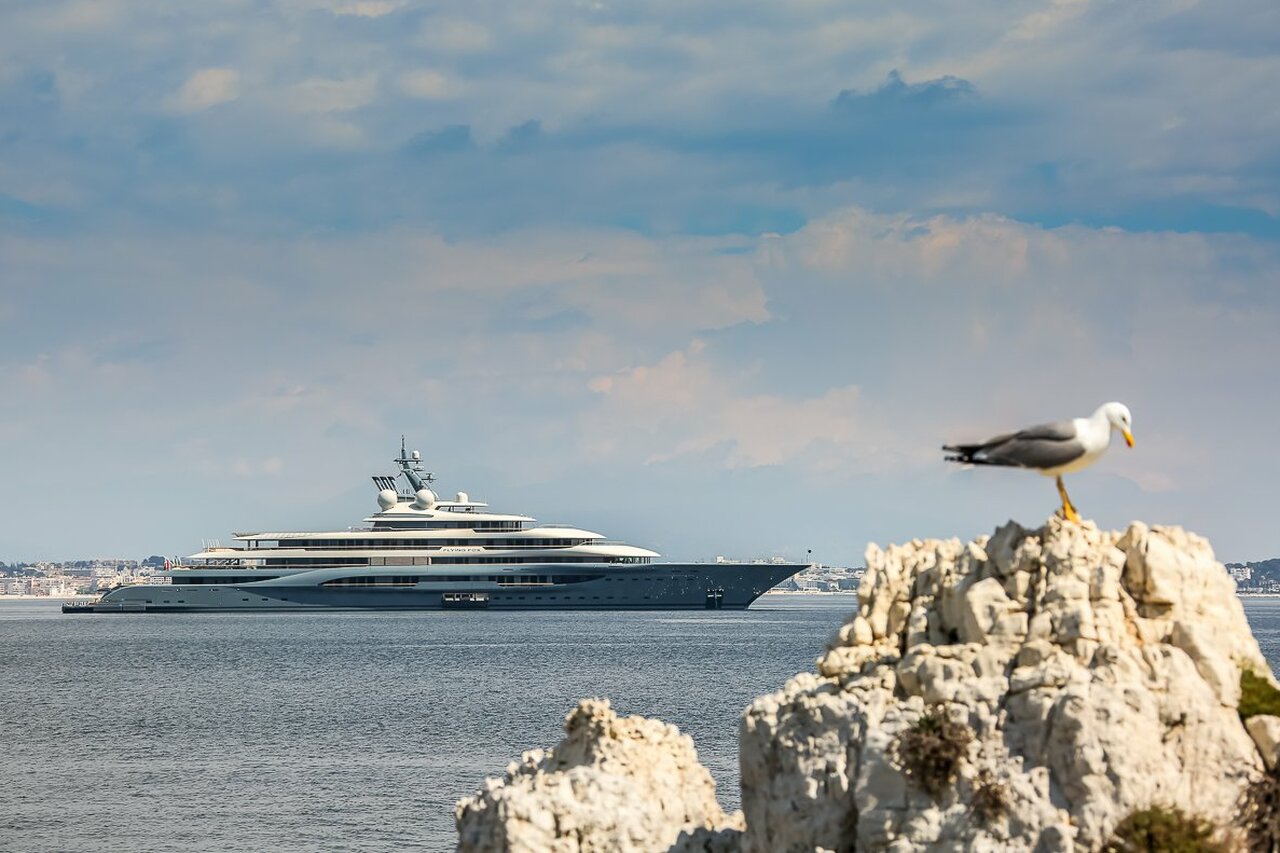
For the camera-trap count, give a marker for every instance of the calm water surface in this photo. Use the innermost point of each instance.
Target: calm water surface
(349, 731)
(344, 731)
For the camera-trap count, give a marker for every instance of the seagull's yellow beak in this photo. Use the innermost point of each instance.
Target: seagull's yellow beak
(1128, 437)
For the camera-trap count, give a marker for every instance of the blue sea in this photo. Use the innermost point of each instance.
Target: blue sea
(352, 731)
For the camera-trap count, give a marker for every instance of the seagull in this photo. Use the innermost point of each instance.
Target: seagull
(1052, 449)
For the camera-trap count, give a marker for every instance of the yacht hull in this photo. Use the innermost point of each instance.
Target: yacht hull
(670, 586)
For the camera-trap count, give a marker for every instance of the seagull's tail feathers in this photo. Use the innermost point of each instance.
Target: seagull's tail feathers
(962, 453)
(968, 454)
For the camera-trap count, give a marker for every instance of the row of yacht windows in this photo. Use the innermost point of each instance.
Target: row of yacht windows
(410, 580)
(230, 580)
(316, 562)
(338, 544)
(500, 580)
(447, 560)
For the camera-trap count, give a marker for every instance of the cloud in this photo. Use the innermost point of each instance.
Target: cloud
(206, 88)
(368, 8)
(453, 138)
(321, 95)
(427, 84)
(662, 120)
(829, 362)
(78, 16)
(682, 406)
(455, 35)
(342, 8)
(895, 90)
(270, 466)
(907, 225)
(1045, 22)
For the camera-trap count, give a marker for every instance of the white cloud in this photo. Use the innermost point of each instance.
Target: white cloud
(206, 88)
(351, 8)
(429, 85)
(879, 247)
(682, 406)
(849, 349)
(80, 15)
(1045, 22)
(368, 8)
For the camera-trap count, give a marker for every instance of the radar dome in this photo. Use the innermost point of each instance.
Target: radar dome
(387, 498)
(425, 499)
(463, 498)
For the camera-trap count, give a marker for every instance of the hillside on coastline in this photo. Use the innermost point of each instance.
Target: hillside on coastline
(1257, 576)
(1035, 689)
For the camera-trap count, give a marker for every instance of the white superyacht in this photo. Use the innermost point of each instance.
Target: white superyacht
(419, 552)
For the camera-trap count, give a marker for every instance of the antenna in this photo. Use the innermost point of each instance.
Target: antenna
(411, 468)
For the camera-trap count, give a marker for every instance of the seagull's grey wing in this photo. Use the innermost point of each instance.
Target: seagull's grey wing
(1044, 446)
(1054, 431)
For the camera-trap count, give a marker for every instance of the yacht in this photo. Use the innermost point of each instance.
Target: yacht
(419, 552)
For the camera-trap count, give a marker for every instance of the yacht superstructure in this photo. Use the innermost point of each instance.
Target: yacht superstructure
(419, 552)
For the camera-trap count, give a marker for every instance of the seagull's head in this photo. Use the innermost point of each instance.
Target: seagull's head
(1117, 414)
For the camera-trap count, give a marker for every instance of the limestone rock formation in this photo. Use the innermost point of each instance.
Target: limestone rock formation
(1265, 731)
(612, 784)
(1098, 671)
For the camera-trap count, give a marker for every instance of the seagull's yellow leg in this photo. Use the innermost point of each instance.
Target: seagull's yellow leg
(1068, 509)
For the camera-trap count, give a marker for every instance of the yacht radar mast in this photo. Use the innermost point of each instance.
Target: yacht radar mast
(411, 467)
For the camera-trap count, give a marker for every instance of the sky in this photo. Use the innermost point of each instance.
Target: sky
(713, 278)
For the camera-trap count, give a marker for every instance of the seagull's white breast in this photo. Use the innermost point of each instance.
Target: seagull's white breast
(1095, 435)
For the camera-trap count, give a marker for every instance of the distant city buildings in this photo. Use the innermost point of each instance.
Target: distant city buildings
(77, 577)
(816, 578)
(821, 578)
(1255, 578)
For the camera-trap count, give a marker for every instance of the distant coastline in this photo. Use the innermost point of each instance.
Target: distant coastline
(29, 597)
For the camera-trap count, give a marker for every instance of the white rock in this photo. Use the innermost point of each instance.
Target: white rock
(1265, 731)
(612, 784)
(985, 605)
(1098, 670)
